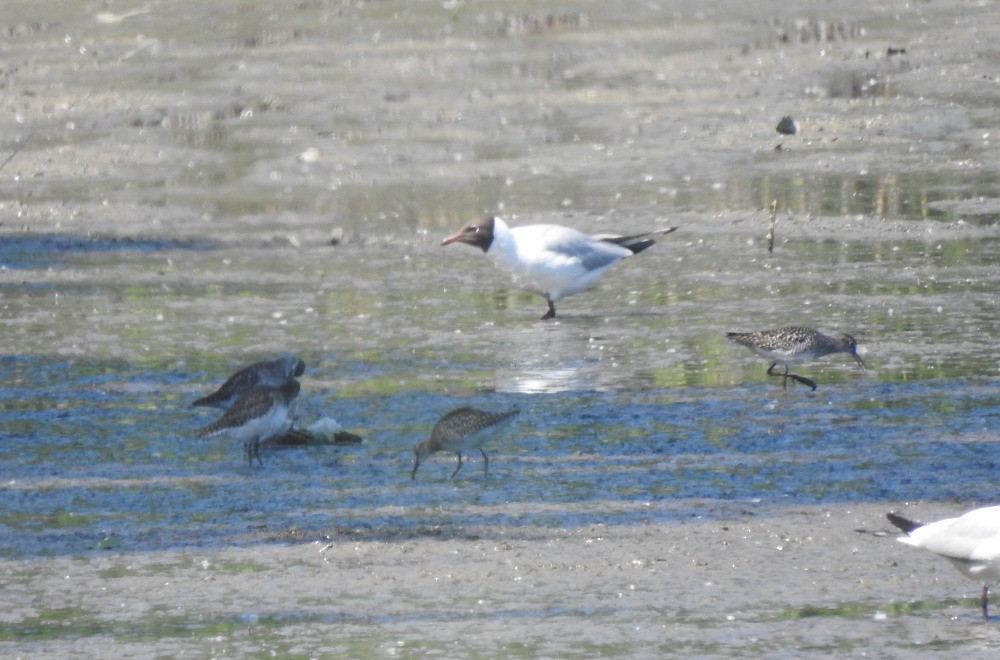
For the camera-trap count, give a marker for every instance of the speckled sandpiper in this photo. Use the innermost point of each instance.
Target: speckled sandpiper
(271, 373)
(461, 430)
(794, 345)
(551, 260)
(261, 413)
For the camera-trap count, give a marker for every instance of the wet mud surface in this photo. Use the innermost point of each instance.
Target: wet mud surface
(191, 187)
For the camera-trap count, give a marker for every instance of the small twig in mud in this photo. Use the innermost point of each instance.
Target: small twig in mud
(17, 150)
(11, 156)
(770, 227)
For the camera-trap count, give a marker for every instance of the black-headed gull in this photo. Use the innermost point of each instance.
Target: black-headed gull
(460, 430)
(271, 373)
(260, 414)
(970, 542)
(793, 345)
(551, 260)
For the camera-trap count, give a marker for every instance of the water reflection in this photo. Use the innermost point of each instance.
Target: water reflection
(897, 195)
(42, 250)
(858, 84)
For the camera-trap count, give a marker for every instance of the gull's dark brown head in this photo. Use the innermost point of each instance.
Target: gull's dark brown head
(478, 233)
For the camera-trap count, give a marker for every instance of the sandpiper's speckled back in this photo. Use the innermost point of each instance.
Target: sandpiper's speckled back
(465, 421)
(460, 430)
(256, 403)
(270, 373)
(795, 343)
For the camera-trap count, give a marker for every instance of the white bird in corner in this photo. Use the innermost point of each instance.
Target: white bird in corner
(551, 260)
(970, 542)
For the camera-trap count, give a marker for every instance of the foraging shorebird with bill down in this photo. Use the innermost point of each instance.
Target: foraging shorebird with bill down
(795, 345)
(462, 430)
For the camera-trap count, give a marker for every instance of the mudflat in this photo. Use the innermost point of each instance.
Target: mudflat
(814, 580)
(324, 148)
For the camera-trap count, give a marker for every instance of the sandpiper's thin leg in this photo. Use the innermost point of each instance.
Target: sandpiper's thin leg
(782, 376)
(459, 464)
(986, 602)
(551, 314)
(808, 382)
(486, 462)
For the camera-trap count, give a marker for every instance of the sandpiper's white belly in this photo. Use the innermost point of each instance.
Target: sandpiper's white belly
(274, 422)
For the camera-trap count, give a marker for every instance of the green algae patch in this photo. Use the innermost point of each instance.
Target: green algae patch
(239, 567)
(51, 624)
(869, 609)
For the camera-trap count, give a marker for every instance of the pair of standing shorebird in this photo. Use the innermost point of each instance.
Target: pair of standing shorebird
(257, 403)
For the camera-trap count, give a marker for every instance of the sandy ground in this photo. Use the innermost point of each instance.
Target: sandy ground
(827, 581)
(803, 581)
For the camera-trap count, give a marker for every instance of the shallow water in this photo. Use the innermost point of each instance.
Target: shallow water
(104, 450)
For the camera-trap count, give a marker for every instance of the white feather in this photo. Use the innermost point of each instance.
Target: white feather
(551, 260)
(971, 542)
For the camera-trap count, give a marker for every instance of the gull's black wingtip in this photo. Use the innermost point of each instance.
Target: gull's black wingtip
(902, 523)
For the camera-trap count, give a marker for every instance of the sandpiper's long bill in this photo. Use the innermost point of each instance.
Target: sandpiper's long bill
(258, 415)
(794, 345)
(271, 373)
(551, 260)
(462, 429)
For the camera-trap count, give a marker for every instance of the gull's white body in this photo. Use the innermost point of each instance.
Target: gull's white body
(970, 542)
(551, 260)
